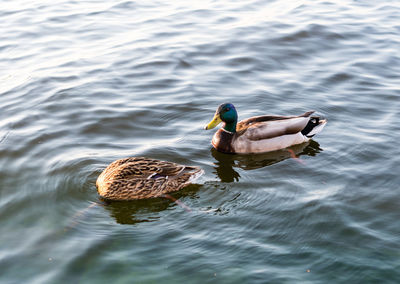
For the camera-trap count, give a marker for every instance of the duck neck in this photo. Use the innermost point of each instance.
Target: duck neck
(230, 126)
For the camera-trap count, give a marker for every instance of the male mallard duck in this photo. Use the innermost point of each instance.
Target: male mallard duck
(139, 178)
(261, 133)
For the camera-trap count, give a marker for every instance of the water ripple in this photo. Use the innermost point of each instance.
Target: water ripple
(84, 83)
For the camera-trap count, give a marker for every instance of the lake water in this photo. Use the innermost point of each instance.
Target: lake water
(83, 83)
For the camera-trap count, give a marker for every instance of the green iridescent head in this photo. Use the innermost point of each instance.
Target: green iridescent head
(227, 114)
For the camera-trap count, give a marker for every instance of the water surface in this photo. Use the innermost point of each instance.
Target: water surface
(83, 83)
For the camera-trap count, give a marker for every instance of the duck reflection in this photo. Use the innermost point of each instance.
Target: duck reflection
(145, 210)
(150, 210)
(225, 163)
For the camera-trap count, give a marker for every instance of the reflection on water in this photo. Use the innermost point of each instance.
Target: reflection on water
(137, 211)
(225, 164)
(145, 210)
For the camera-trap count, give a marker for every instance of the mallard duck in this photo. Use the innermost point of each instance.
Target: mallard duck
(261, 133)
(140, 178)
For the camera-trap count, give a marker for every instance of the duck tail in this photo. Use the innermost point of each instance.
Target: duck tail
(314, 126)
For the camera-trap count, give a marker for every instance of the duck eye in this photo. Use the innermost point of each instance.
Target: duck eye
(228, 109)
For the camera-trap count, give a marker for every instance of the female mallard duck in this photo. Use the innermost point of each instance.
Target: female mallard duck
(261, 133)
(139, 178)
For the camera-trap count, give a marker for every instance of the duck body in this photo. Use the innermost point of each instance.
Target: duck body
(139, 178)
(261, 133)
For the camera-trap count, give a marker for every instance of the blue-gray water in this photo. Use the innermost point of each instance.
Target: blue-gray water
(83, 83)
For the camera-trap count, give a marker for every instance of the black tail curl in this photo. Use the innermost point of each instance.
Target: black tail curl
(313, 122)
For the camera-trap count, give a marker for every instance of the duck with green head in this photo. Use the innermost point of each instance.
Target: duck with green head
(260, 134)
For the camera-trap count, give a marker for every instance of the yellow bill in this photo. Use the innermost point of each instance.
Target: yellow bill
(214, 122)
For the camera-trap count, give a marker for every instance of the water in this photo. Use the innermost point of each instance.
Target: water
(83, 83)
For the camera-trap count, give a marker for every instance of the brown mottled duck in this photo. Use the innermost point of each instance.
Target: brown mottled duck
(139, 178)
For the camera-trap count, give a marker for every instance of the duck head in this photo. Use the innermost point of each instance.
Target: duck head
(227, 114)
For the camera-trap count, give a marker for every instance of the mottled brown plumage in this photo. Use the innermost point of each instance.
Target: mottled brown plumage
(140, 178)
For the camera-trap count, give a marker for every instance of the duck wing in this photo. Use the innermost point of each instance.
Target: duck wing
(266, 127)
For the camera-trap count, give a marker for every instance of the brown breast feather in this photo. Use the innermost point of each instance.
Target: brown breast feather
(222, 141)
